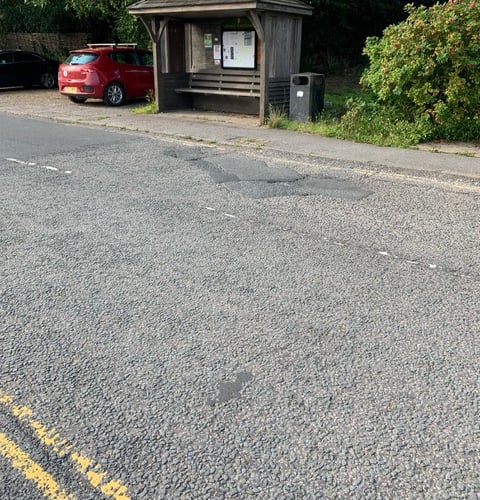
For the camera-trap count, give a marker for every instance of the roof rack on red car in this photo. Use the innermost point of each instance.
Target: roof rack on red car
(93, 45)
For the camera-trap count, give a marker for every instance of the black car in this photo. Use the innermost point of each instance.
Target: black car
(27, 69)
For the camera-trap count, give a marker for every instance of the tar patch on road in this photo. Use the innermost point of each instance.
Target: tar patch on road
(231, 390)
(187, 154)
(255, 179)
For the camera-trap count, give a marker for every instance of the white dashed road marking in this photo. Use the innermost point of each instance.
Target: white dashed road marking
(32, 164)
(383, 253)
(230, 216)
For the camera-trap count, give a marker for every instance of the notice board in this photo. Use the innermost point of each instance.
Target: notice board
(238, 49)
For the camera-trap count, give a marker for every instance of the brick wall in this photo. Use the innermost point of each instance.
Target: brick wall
(49, 44)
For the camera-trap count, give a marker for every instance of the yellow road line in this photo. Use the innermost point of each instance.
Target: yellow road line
(92, 471)
(21, 461)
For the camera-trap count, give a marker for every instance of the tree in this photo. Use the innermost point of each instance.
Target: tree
(335, 35)
(29, 17)
(427, 68)
(125, 28)
(111, 15)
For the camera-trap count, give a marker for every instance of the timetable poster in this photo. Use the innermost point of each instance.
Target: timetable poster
(238, 49)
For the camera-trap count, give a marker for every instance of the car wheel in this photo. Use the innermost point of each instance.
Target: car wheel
(77, 100)
(114, 94)
(47, 80)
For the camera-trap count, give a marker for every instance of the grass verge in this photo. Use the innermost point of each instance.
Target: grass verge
(351, 115)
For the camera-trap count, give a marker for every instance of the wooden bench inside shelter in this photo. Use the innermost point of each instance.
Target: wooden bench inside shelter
(224, 82)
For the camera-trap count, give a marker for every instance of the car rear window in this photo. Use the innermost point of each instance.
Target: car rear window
(6, 57)
(26, 57)
(146, 58)
(81, 58)
(123, 57)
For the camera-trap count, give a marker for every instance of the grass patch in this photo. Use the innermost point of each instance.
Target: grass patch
(255, 143)
(150, 107)
(349, 114)
(338, 92)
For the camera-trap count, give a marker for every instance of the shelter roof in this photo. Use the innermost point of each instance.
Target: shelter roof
(214, 8)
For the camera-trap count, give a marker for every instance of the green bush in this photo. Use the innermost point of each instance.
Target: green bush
(425, 71)
(369, 121)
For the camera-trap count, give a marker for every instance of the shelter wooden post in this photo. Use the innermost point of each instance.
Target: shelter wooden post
(257, 24)
(156, 28)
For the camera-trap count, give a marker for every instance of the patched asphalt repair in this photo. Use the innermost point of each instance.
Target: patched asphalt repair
(254, 178)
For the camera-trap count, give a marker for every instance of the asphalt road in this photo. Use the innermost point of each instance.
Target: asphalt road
(183, 321)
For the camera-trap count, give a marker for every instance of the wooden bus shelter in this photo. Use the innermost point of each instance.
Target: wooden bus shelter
(228, 55)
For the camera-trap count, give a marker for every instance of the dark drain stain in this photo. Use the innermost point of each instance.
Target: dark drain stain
(231, 390)
(187, 154)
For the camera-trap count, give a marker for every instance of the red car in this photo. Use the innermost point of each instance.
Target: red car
(111, 72)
